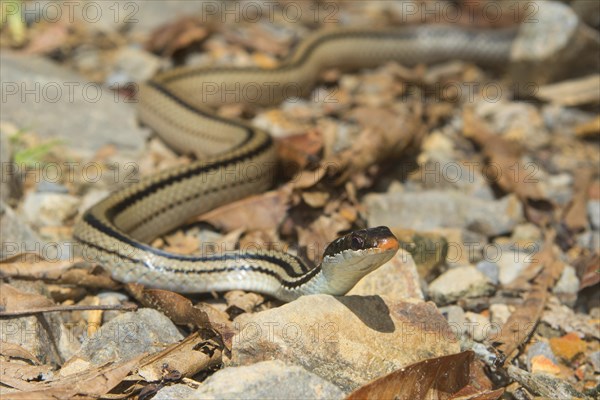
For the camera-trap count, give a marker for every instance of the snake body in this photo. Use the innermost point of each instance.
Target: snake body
(236, 160)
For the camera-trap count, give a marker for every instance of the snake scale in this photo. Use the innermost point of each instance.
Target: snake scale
(235, 160)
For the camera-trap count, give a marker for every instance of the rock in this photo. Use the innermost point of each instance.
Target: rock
(133, 64)
(45, 186)
(456, 319)
(439, 169)
(345, 340)
(5, 164)
(17, 236)
(562, 122)
(510, 264)
(146, 16)
(433, 209)
(589, 240)
(267, 379)
(49, 340)
(489, 269)
(595, 361)
(558, 45)
(537, 349)
(556, 187)
(58, 104)
(588, 11)
(526, 233)
(457, 283)
(499, 313)
(397, 279)
(464, 246)
(49, 209)
(479, 327)
(567, 286)
(124, 338)
(519, 122)
(593, 209)
(428, 249)
(568, 346)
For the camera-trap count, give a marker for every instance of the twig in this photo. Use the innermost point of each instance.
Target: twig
(39, 310)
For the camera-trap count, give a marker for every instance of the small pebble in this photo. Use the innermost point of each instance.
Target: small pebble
(50, 209)
(489, 269)
(499, 313)
(595, 361)
(460, 282)
(593, 209)
(537, 349)
(50, 187)
(479, 327)
(567, 286)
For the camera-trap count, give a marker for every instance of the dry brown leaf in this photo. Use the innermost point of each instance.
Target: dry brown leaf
(13, 299)
(573, 92)
(91, 383)
(178, 308)
(521, 323)
(575, 216)
(68, 272)
(177, 35)
(182, 312)
(184, 359)
(17, 383)
(315, 199)
(24, 372)
(246, 301)
(180, 243)
(262, 211)
(504, 156)
(589, 129)
(320, 233)
(256, 37)
(31, 265)
(13, 350)
(440, 378)
(386, 134)
(588, 268)
(46, 39)
(298, 152)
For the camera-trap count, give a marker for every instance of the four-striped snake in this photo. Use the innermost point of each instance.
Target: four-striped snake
(176, 105)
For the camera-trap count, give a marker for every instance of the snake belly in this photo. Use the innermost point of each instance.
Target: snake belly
(235, 160)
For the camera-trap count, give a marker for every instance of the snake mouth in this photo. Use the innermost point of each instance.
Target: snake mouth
(388, 244)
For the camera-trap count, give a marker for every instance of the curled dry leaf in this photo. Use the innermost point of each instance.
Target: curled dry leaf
(181, 311)
(320, 233)
(298, 152)
(521, 323)
(387, 134)
(13, 299)
(263, 211)
(315, 199)
(184, 359)
(177, 35)
(575, 216)
(24, 372)
(13, 350)
(92, 383)
(573, 92)
(68, 272)
(441, 377)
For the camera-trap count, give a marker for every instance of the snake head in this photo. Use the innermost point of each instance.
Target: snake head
(349, 258)
(359, 244)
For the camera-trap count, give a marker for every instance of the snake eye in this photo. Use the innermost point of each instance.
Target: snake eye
(357, 242)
